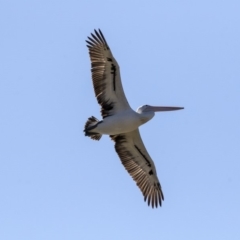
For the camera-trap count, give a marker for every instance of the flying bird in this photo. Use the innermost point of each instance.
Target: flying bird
(120, 121)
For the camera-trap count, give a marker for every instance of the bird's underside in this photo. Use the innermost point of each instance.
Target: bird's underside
(110, 96)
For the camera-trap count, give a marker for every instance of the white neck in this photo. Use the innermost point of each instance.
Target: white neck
(146, 116)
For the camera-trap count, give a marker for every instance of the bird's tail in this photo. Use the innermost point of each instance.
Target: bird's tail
(91, 123)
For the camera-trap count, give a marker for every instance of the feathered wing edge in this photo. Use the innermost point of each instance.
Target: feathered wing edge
(105, 76)
(133, 160)
(97, 45)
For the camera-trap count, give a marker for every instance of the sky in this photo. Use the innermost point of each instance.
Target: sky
(55, 183)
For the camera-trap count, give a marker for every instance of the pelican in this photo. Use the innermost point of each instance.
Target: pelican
(120, 121)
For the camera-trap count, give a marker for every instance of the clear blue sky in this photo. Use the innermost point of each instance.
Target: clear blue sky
(57, 184)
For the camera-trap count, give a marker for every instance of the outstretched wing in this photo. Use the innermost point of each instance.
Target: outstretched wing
(106, 76)
(139, 165)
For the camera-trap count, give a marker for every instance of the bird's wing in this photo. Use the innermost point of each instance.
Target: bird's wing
(139, 165)
(106, 76)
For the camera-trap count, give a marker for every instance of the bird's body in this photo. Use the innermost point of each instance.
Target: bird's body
(120, 122)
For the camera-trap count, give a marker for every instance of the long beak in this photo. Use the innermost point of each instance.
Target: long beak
(162, 109)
